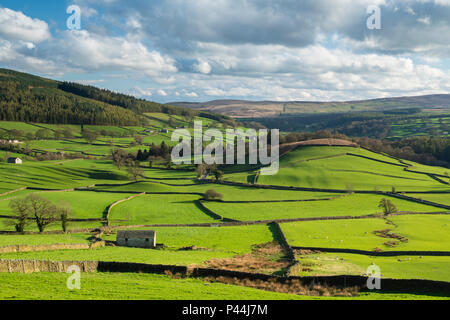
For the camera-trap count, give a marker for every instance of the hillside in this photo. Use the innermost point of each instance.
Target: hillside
(257, 109)
(28, 98)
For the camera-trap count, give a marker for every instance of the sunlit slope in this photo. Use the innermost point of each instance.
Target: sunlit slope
(349, 168)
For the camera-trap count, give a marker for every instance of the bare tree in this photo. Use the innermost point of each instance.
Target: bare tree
(387, 206)
(90, 135)
(201, 170)
(20, 208)
(64, 211)
(139, 140)
(43, 211)
(218, 174)
(134, 170)
(119, 157)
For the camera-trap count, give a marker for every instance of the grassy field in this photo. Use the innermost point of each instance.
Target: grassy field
(424, 233)
(421, 127)
(159, 209)
(59, 174)
(233, 240)
(213, 243)
(107, 286)
(438, 198)
(345, 172)
(415, 267)
(35, 240)
(351, 205)
(122, 254)
(85, 205)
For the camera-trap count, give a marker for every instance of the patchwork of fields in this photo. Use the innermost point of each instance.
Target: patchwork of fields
(323, 197)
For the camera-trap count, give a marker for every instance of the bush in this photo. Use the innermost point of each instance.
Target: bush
(213, 195)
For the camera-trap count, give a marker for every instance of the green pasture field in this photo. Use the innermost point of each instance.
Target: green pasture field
(15, 194)
(230, 193)
(25, 127)
(420, 127)
(235, 193)
(404, 267)
(159, 209)
(343, 234)
(123, 254)
(351, 205)
(430, 169)
(85, 205)
(76, 129)
(159, 116)
(7, 154)
(312, 153)
(438, 198)
(216, 243)
(424, 233)
(101, 147)
(158, 139)
(59, 174)
(233, 240)
(127, 286)
(159, 173)
(43, 239)
(137, 187)
(349, 172)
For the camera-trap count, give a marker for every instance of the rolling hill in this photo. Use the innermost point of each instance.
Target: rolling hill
(260, 109)
(28, 98)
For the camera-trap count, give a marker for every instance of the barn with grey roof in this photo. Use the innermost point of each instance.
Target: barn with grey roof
(136, 238)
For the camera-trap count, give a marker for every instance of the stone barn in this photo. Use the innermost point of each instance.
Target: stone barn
(136, 238)
(15, 160)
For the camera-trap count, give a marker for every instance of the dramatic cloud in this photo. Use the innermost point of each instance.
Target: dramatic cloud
(19, 36)
(255, 49)
(16, 26)
(91, 51)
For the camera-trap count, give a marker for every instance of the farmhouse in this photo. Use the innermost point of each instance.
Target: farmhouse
(15, 160)
(164, 131)
(137, 238)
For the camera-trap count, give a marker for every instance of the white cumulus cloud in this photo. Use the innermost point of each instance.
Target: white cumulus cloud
(17, 26)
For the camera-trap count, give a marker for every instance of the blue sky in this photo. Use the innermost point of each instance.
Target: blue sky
(181, 50)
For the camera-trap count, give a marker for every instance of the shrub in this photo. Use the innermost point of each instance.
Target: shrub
(213, 195)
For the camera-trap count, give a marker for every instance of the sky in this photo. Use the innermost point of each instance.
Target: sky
(202, 50)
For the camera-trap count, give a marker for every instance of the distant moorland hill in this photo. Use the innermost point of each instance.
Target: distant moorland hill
(259, 109)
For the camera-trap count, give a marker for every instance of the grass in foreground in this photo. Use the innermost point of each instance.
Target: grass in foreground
(124, 286)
